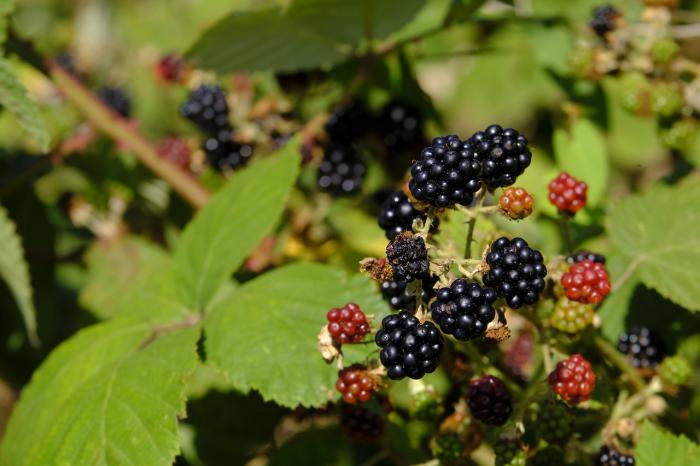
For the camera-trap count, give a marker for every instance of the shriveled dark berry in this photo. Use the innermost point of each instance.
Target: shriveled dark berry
(207, 108)
(224, 153)
(347, 324)
(116, 99)
(489, 400)
(463, 309)
(579, 256)
(642, 346)
(445, 174)
(397, 215)
(573, 379)
(400, 126)
(516, 271)
(342, 171)
(503, 154)
(408, 348)
(604, 19)
(395, 293)
(361, 424)
(348, 123)
(408, 257)
(609, 456)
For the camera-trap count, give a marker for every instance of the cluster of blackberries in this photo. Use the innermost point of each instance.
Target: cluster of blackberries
(642, 346)
(464, 309)
(516, 271)
(489, 400)
(116, 99)
(398, 214)
(408, 257)
(398, 297)
(609, 456)
(408, 348)
(604, 19)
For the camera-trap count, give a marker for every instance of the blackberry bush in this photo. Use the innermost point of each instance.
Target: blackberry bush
(489, 400)
(464, 309)
(642, 346)
(502, 153)
(342, 171)
(398, 214)
(408, 257)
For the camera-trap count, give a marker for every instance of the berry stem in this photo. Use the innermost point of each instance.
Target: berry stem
(620, 361)
(566, 233)
(472, 223)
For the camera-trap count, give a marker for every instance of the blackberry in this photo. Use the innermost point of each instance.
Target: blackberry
(348, 123)
(400, 126)
(223, 153)
(361, 424)
(408, 348)
(642, 346)
(426, 405)
(502, 153)
(664, 50)
(604, 20)
(586, 282)
(509, 453)
(579, 256)
(67, 63)
(489, 400)
(675, 370)
(609, 456)
(573, 379)
(395, 293)
(207, 108)
(516, 203)
(171, 68)
(176, 151)
(666, 99)
(552, 422)
(347, 324)
(116, 99)
(551, 455)
(570, 316)
(567, 194)
(446, 174)
(464, 309)
(516, 271)
(342, 171)
(408, 257)
(356, 384)
(397, 215)
(448, 447)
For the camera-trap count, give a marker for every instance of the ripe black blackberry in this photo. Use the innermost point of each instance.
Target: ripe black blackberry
(464, 309)
(516, 271)
(342, 171)
(445, 174)
(361, 424)
(394, 292)
(604, 19)
(642, 346)
(397, 215)
(400, 126)
(116, 99)
(408, 348)
(408, 257)
(609, 456)
(502, 153)
(207, 108)
(348, 123)
(223, 153)
(579, 256)
(489, 400)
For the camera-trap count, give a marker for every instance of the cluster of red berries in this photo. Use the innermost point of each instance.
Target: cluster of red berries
(567, 193)
(347, 324)
(573, 379)
(356, 384)
(586, 282)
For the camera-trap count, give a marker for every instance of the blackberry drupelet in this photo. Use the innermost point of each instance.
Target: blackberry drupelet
(516, 271)
(609, 456)
(361, 424)
(464, 309)
(502, 153)
(408, 348)
(445, 174)
(642, 346)
(223, 153)
(116, 99)
(342, 171)
(579, 256)
(207, 108)
(394, 292)
(604, 19)
(397, 215)
(348, 123)
(489, 400)
(400, 126)
(408, 257)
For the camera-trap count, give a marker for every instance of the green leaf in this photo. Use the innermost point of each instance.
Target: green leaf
(582, 152)
(615, 307)
(109, 395)
(659, 232)
(6, 7)
(316, 446)
(14, 98)
(14, 270)
(232, 223)
(657, 447)
(270, 328)
(357, 229)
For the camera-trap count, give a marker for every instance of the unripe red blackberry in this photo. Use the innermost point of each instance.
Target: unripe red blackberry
(398, 297)
(176, 151)
(604, 20)
(207, 108)
(361, 424)
(356, 384)
(489, 400)
(579, 256)
(571, 316)
(408, 257)
(516, 271)
(586, 282)
(408, 348)
(609, 456)
(116, 99)
(342, 171)
(573, 379)
(463, 309)
(642, 346)
(568, 194)
(397, 215)
(516, 203)
(225, 154)
(445, 174)
(347, 324)
(503, 154)
(400, 126)
(171, 68)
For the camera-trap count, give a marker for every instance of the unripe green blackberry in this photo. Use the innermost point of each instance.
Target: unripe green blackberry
(426, 406)
(666, 99)
(509, 453)
(552, 422)
(664, 50)
(679, 135)
(675, 370)
(448, 447)
(550, 455)
(571, 316)
(581, 60)
(634, 88)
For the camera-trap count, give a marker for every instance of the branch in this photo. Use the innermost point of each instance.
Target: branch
(620, 361)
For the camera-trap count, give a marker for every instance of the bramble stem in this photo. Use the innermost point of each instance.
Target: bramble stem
(566, 233)
(472, 224)
(620, 361)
